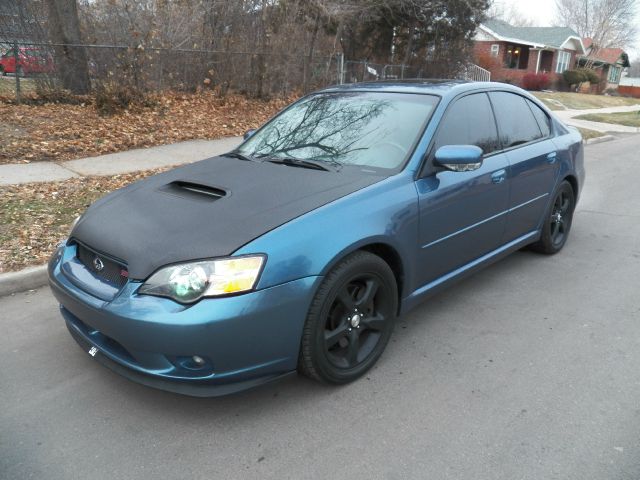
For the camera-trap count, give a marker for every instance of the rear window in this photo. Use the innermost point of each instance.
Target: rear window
(543, 120)
(516, 123)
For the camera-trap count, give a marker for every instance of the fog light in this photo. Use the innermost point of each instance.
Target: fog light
(198, 360)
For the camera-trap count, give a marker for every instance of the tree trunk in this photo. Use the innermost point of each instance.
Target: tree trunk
(71, 62)
(307, 65)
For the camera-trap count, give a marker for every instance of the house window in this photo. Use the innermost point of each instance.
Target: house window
(614, 74)
(512, 58)
(563, 61)
(495, 49)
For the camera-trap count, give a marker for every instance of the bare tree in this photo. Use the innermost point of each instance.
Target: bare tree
(609, 23)
(509, 13)
(64, 28)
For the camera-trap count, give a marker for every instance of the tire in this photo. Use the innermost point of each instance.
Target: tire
(557, 221)
(350, 320)
(2, 71)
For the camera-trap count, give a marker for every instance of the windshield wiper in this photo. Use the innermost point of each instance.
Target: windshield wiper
(298, 162)
(238, 155)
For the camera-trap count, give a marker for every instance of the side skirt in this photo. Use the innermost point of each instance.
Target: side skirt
(439, 284)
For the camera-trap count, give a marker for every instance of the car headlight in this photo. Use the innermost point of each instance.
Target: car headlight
(189, 282)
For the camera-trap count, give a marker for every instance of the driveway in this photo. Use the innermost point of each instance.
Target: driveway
(528, 370)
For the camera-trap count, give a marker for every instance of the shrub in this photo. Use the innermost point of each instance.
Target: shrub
(590, 76)
(536, 81)
(111, 98)
(580, 75)
(573, 77)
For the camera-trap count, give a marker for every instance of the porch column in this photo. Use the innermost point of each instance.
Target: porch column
(538, 61)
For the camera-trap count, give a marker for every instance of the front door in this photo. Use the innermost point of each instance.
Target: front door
(462, 214)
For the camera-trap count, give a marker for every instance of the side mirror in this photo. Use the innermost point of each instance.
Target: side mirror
(459, 158)
(248, 133)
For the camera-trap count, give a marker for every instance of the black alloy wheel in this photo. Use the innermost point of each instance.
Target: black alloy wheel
(350, 320)
(557, 221)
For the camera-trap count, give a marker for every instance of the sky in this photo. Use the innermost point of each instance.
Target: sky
(543, 14)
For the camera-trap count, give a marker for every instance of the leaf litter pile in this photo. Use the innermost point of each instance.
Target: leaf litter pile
(58, 132)
(34, 217)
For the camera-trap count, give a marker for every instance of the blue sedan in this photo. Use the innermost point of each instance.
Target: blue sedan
(298, 250)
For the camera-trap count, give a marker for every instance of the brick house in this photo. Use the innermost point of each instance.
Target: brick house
(608, 63)
(510, 53)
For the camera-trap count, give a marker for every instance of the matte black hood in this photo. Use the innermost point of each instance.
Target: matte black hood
(206, 209)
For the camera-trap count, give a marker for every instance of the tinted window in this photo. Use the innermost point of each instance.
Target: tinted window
(515, 120)
(543, 121)
(469, 121)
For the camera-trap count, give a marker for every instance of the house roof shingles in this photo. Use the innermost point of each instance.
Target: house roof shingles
(604, 55)
(548, 36)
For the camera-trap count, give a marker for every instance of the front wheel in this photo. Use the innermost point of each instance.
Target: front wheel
(557, 221)
(350, 320)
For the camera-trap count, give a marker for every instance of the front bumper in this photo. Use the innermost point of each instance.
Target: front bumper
(245, 340)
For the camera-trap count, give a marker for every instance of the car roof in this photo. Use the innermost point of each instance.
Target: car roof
(440, 87)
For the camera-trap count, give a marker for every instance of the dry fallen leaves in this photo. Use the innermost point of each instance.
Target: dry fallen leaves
(34, 217)
(62, 132)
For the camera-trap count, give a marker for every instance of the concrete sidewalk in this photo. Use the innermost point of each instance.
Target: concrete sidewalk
(568, 117)
(116, 163)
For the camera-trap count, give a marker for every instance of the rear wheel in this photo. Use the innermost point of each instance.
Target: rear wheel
(350, 320)
(2, 71)
(557, 221)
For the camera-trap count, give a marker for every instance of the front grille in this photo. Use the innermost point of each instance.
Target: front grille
(112, 272)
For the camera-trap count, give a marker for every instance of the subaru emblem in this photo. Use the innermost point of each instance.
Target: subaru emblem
(97, 264)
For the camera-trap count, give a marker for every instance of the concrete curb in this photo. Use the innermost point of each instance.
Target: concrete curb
(27, 279)
(604, 138)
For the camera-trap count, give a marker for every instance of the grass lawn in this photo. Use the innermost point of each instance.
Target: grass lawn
(587, 134)
(34, 217)
(8, 86)
(581, 101)
(630, 119)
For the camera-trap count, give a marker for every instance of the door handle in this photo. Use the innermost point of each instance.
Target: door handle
(551, 158)
(499, 176)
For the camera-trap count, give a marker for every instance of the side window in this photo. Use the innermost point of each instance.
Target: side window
(516, 123)
(469, 121)
(543, 121)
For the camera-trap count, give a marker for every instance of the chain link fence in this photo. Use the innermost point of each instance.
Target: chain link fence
(38, 69)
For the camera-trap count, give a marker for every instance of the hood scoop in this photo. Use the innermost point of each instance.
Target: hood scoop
(193, 191)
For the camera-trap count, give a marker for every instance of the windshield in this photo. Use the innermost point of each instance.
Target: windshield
(354, 128)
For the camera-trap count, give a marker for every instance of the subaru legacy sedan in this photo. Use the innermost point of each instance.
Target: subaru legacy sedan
(298, 250)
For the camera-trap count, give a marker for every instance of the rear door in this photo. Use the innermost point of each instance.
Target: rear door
(462, 214)
(525, 135)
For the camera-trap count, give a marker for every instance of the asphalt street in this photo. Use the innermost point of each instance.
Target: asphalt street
(528, 370)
